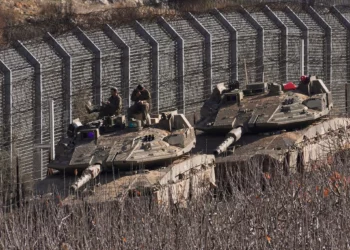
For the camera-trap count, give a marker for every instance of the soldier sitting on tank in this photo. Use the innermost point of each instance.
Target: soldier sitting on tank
(142, 102)
(111, 107)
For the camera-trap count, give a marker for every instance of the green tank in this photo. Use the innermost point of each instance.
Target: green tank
(286, 124)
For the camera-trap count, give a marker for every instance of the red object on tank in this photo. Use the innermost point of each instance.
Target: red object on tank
(303, 78)
(289, 86)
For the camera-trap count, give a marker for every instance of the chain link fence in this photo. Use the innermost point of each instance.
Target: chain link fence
(178, 59)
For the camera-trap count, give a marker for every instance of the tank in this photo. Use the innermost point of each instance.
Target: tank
(153, 159)
(287, 124)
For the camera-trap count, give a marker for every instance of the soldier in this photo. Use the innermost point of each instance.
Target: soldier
(112, 107)
(142, 102)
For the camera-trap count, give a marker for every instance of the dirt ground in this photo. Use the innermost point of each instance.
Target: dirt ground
(24, 9)
(30, 19)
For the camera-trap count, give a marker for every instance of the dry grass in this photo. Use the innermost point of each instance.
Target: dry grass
(294, 212)
(7, 18)
(56, 17)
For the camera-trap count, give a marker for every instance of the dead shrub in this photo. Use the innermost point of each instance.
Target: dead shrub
(7, 19)
(56, 10)
(308, 211)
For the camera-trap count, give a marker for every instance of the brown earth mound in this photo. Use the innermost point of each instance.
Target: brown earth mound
(31, 19)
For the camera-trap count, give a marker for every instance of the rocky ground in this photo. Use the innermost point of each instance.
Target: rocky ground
(24, 9)
(31, 19)
(28, 19)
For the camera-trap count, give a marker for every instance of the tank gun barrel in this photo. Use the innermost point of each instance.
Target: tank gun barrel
(233, 136)
(88, 174)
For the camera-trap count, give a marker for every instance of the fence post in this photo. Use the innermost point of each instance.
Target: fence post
(125, 60)
(180, 62)
(155, 62)
(233, 43)
(328, 31)
(344, 21)
(302, 57)
(22, 50)
(7, 109)
(88, 43)
(260, 43)
(52, 129)
(284, 39)
(305, 30)
(67, 82)
(208, 53)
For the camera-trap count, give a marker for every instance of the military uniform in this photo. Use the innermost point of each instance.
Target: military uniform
(142, 102)
(112, 108)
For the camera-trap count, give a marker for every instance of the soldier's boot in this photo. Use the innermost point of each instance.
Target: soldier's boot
(88, 107)
(148, 120)
(91, 109)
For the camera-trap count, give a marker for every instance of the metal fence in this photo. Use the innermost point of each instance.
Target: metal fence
(178, 60)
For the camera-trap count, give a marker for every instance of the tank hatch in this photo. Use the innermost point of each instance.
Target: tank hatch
(255, 89)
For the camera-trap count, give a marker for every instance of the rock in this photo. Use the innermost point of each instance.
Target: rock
(129, 2)
(30, 19)
(139, 3)
(65, 246)
(18, 5)
(19, 11)
(105, 2)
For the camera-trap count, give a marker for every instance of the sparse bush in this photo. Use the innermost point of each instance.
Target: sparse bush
(57, 18)
(57, 10)
(15, 186)
(7, 19)
(204, 5)
(54, 17)
(7, 178)
(308, 211)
